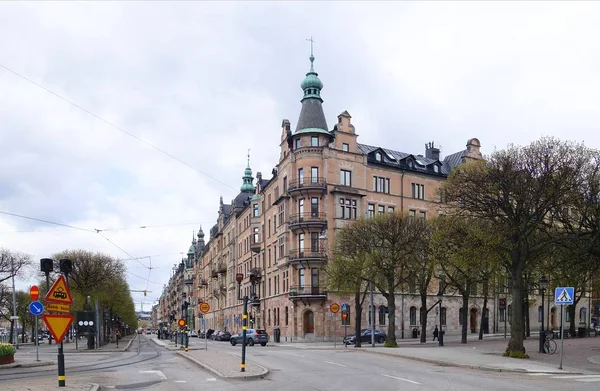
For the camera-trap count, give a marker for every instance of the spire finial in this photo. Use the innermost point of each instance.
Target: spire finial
(312, 41)
(248, 157)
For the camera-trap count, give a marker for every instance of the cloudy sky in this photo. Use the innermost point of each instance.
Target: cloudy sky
(205, 82)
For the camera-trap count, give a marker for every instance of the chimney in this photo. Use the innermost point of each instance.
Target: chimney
(432, 152)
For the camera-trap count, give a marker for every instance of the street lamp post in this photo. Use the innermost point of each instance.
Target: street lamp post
(441, 331)
(543, 286)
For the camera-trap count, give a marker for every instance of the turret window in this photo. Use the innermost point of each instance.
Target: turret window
(345, 146)
(255, 210)
(314, 141)
(298, 144)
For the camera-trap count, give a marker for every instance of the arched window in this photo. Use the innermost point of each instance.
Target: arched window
(286, 315)
(383, 311)
(378, 156)
(413, 315)
(582, 315)
(269, 318)
(443, 316)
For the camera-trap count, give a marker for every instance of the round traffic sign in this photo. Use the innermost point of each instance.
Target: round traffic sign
(34, 292)
(181, 322)
(334, 308)
(204, 307)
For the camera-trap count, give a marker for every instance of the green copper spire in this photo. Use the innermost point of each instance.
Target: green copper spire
(312, 85)
(247, 178)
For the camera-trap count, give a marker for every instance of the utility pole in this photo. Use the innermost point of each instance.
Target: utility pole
(14, 297)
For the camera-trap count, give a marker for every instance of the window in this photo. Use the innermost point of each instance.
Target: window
(412, 213)
(502, 314)
(300, 175)
(301, 280)
(474, 289)
(314, 277)
(383, 311)
(281, 215)
(345, 147)
(298, 144)
(509, 314)
(436, 168)
(314, 241)
(287, 316)
(345, 178)
(255, 210)
(413, 316)
(567, 314)
(348, 209)
(314, 174)
(314, 207)
(422, 215)
(381, 184)
(380, 209)
(255, 235)
(390, 209)
(314, 141)
(378, 156)
(371, 210)
(443, 316)
(418, 191)
(281, 247)
(582, 313)
(301, 206)
(300, 242)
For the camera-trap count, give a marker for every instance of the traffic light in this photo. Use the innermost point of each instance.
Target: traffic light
(66, 266)
(145, 293)
(252, 321)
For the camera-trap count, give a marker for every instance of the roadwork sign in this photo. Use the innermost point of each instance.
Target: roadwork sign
(58, 325)
(564, 296)
(59, 292)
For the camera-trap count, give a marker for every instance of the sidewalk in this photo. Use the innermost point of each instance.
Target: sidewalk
(218, 361)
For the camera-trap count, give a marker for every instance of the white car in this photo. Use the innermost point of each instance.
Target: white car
(193, 333)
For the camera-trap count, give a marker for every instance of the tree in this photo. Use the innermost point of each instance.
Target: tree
(349, 269)
(516, 190)
(397, 241)
(466, 249)
(12, 264)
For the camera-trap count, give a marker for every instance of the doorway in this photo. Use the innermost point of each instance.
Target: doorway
(309, 322)
(473, 320)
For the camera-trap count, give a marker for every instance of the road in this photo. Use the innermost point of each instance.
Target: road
(290, 369)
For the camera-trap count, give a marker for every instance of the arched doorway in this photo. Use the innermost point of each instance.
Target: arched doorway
(553, 318)
(473, 320)
(308, 322)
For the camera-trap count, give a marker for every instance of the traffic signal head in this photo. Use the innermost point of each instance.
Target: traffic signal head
(46, 265)
(344, 315)
(145, 293)
(66, 266)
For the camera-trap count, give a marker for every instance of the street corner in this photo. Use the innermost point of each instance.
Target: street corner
(231, 370)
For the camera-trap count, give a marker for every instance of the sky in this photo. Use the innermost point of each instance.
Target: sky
(91, 93)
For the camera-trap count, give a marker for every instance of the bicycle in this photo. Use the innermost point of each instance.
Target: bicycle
(550, 344)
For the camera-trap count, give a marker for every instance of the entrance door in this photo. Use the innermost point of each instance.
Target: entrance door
(473, 320)
(309, 322)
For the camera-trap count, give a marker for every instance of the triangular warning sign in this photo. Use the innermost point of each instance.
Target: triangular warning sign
(59, 293)
(58, 325)
(564, 297)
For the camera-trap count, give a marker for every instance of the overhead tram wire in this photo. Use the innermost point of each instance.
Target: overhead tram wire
(115, 126)
(109, 229)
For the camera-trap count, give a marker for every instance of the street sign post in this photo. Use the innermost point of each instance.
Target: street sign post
(181, 322)
(36, 308)
(204, 307)
(334, 308)
(58, 325)
(563, 296)
(34, 292)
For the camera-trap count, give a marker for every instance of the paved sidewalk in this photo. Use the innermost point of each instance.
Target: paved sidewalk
(218, 361)
(49, 385)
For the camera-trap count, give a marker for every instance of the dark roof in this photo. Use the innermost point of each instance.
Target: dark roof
(242, 199)
(398, 159)
(263, 182)
(311, 115)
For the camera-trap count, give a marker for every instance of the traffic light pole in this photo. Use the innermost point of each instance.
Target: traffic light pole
(254, 278)
(186, 330)
(244, 330)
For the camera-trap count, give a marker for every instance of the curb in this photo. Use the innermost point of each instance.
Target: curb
(128, 345)
(30, 364)
(94, 387)
(264, 371)
(469, 366)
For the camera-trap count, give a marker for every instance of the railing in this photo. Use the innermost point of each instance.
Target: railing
(223, 287)
(308, 218)
(222, 267)
(214, 273)
(189, 281)
(203, 282)
(307, 183)
(296, 255)
(299, 291)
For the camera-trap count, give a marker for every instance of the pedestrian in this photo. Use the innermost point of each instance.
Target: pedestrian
(158, 332)
(436, 333)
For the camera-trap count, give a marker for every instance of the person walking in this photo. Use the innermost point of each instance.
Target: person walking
(436, 333)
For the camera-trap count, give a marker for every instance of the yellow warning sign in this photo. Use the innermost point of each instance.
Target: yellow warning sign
(53, 307)
(58, 325)
(59, 292)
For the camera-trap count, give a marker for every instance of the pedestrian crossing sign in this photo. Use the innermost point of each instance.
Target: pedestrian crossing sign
(564, 296)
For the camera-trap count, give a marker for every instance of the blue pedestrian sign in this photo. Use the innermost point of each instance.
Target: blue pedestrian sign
(36, 308)
(564, 296)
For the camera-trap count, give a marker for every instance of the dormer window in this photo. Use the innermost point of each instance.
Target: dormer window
(436, 168)
(410, 164)
(378, 156)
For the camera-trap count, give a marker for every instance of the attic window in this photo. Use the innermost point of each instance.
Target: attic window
(410, 164)
(378, 156)
(436, 168)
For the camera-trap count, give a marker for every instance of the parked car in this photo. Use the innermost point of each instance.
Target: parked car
(193, 333)
(222, 336)
(365, 336)
(252, 336)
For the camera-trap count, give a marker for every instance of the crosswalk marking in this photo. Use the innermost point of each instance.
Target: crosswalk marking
(577, 378)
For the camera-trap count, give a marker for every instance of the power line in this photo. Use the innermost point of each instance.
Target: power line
(110, 229)
(115, 126)
(45, 221)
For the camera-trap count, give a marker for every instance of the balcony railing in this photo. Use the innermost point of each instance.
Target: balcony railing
(189, 281)
(308, 218)
(222, 267)
(255, 246)
(214, 273)
(223, 288)
(307, 183)
(203, 282)
(307, 291)
(307, 255)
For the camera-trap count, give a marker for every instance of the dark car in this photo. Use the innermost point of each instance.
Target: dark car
(252, 336)
(365, 336)
(221, 336)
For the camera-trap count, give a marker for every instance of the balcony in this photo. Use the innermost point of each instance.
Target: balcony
(222, 267)
(189, 281)
(302, 256)
(214, 273)
(255, 247)
(307, 293)
(304, 221)
(203, 282)
(306, 185)
(223, 288)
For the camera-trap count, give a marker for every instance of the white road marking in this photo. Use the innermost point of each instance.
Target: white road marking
(577, 378)
(180, 381)
(539, 374)
(159, 373)
(399, 378)
(211, 379)
(289, 354)
(335, 363)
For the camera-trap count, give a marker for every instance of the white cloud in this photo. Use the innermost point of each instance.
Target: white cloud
(208, 81)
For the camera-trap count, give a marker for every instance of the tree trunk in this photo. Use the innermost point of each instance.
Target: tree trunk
(391, 304)
(12, 330)
(358, 319)
(465, 306)
(423, 314)
(517, 326)
(484, 320)
(526, 315)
